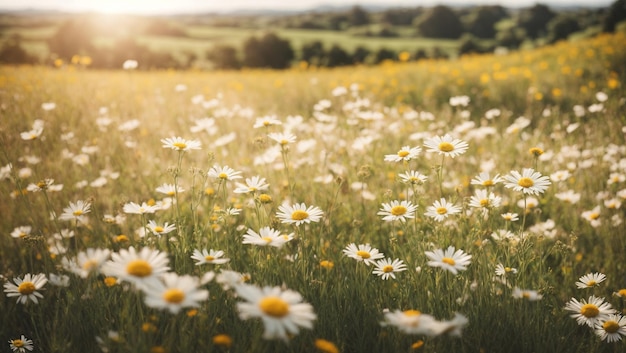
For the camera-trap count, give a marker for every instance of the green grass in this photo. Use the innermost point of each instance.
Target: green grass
(349, 301)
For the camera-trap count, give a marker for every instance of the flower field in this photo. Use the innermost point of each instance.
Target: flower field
(472, 205)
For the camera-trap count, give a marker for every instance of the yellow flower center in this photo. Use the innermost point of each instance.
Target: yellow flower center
(536, 151)
(284, 142)
(90, 265)
(18, 343)
(22, 234)
(363, 254)
(484, 202)
(121, 238)
(209, 258)
(398, 210)
(488, 182)
(26, 288)
(274, 306)
(171, 193)
(594, 215)
(139, 268)
(446, 147)
(266, 123)
(174, 295)
(299, 215)
(403, 154)
(589, 310)
(621, 292)
(508, 269)
(42, 184)
(388, 268)
(222, 340)
(525, 182)
(610, 326)
(265, 198)
(158, 229)
(448, 260)
(591, 283)
(267, 239)
(77, 213)
(442, 210)
(412, 313)
(223, 176)
(180, 145)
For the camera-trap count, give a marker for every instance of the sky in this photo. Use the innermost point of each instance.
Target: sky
(149, 7)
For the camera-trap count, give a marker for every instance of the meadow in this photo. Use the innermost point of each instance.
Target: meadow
(471, 205)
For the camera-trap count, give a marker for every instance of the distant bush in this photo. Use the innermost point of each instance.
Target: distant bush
(12, 52)
(615, 14)
(481, 20)
(561, 27)
(534, 20)
(337, 56)
(439, 22)
(224, 57)
(269, 51)
(401, 17)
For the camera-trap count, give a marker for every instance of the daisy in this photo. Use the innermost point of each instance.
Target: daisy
(413, 177)
(76, 211)
(87, 262)
(33, 134)
(266, 121)
(282, 138)
(134, 208)
(299, 213)
(180, 144)
(568, 196)
(590, 280)
(482, 199)
(405, 154)
(446, 145)
(281, 310)
(593, 216)
(589, 312)
(175, 292)
(140, 268)
(531, 295)
(484, 179)
(160, 230)
(21, 232)
(21, 344)
(252, 185)
(169, 189)
(26, 288)
(266, 237)
(363, 252)
(229, 279)
(510, 217)
(223, 173)
(441, 209)
(44, 184)
(386, 268)
(396, 210)
(455, 326)
(560, 175)
(413, 322)
(504, 271)
(611, 329)
(528, 182)
(209, 257)
(451, 259)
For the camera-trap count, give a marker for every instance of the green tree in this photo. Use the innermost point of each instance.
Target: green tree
(268, 52)
(337, 56)
(561, 27)
(313, 52)
(358, 16)
(534, 20)
(481, 20)
(224, 57)
(439, 22)
(12, 52)
(615, 14)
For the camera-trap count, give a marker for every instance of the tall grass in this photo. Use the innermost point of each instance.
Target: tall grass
(330, 167)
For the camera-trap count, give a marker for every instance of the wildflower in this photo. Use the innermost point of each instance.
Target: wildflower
(504, 271)
(21, 232)
(21, 344)
(169, 189)
(76, 211)
(363, 252)
(593, 216)
(87, 262)
(35, 132)
(228, 279)
(130, 64)
(223, 173)
(528, 182)
(327, 264)
(175, 292)
(140, 268)
(535, 151)
(510, 217)
(282, 138)
(451, 259)
(180, 144)
(612, 328)
(299, 213)
(26, 288)
(209, 257)
(590, 280)
(482, 199)
(282, 311)
(484, 179)
(560, 175)
(59, 280)
(589, 312)
(615, 178)
(325, 346)
(386, 268)
(252, 185)
(266, 121)
(222, 340)
(413, 322)
(42, 185)
(613, 203)
(266, 237)
(397, 210)
(568, 196)
(405, 154)
(134, 208)
(446, 145)
(160, 230)
(441, 209)
(413, 177)
(531, 295)
(459, 101)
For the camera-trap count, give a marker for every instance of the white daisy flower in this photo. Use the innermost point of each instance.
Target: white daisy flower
(26, 288)
(223, 173)
(160, 230)
(282, 138)
(169, 189)
(446, 145)
(252, 185)
(413, 177)
(413, 322)
(299, 213)
(134, 208)
(405, 154)
(180, 144)
(386, 268)
(21, 345)
(76, 211)
(86, 262)
(501, 270)
(590, 280)
(484, 200)
(441, 209)
(528, 182)
(484, 179)
(589, 312)
(451, 259)
(266, 237)
(209, 257)
(612, 328)
(363, 252)
(397, 211)
(140, 268)
(174, 292)
(528, 294)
